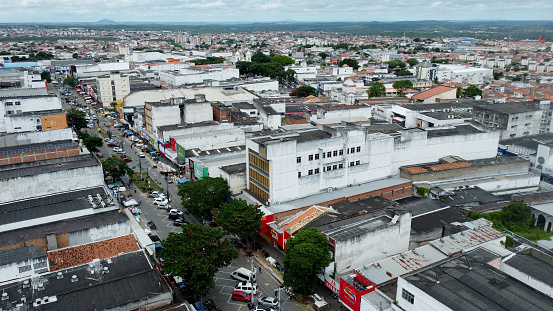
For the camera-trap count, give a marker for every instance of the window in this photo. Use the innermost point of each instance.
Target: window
(310, 172)
(357, 162)
(527, 124)
(9, 112)
(328, 168)
(528, 116)
(352, 150)
(298, 160)
(24, 269)
(526, 133)
(513, 126)
(316, 171)
(18, 103)
(310, 157)
(40, 265)
(340, 165)
(316, 156)
(299, 174)
(351, 163)
(341, 152)
(39, 127)
(358, 149)
(407, 296)
(324, 155)
(9, 104)
(335, 153)
(329, 154)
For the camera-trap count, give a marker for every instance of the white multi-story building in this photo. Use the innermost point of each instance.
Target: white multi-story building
(113, 87)
(25, 113)
(197, 75)
(31, 79)
(287, 165)
(464, 74)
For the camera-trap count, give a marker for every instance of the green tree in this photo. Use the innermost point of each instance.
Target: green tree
(412, 61)
(76, 119)
(92, 143)
(115, 167)
(260, 57)
(304, 91)
(76, 55)
(459, 93)
(422, 192)
(403, 72)
(517, 216)
(203, 196)
(113, 104)
(323, 55)
(498, 75)
(396, 63)
(45, 75)
(509, 241)
(306, 254)
(401, 85)
(472, 90)
(71, 81)
(196, 255)
(350, 62)
(283, 60)
(377, 90)
(240, 218)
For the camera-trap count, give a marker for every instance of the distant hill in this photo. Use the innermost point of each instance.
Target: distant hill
(105, 22)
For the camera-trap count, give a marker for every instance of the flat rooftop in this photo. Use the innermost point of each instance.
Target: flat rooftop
(512, 108)
(355, 226)
(47, 166)
(477, 286)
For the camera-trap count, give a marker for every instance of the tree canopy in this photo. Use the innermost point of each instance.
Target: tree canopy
(304, 91)
(350, 62)
(201, 197)
(401, 85)
(76, 119)
(396, 63)
(45, 75)
(323, 55)
(208, 60)
(71, 81)
(306, 254)
(196, 255)
(238, 217)
(92, 143)
(412, 61)
(377, 90)
(472, 90)
(115, 167)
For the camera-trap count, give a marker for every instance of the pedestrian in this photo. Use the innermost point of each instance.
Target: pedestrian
(259, 269)
(140, 202)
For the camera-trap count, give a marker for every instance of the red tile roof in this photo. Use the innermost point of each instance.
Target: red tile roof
(78, 255)
(432, 92)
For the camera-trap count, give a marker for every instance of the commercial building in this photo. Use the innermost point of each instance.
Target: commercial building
(198, 74)
(464, 74)
(31, 113)
(283, 165)
(511, 120)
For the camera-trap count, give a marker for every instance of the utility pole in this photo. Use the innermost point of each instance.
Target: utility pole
(277, 293)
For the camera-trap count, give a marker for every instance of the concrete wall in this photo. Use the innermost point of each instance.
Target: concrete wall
(373, 245)
(236, 182)
(197, 112)
(11, 271)
(422, 301)
(420, 149)
(107, 231)
(50, 183)
(165, 115)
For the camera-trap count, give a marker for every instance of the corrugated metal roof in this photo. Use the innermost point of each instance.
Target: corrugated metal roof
(390, 268)
(466, 239)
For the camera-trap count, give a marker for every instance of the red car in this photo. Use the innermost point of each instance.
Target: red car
(241, 296)
(113, 145)
(126, 159)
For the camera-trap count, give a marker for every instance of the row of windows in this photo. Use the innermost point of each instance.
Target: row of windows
(13, 103)
(259, 162)
(260, 178)
(354, 163)
(330, 168)
(260, 192)
(407, 296)
(330, 154)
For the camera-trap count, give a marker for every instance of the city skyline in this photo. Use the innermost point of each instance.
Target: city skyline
(222, 11)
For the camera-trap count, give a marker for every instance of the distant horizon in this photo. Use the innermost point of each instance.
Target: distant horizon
(238, 11)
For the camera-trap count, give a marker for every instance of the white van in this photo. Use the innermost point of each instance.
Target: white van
(247, 287)
(243, 274)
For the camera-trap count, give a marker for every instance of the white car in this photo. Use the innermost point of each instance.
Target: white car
(161, 201)
(141, 155)
(268, 301)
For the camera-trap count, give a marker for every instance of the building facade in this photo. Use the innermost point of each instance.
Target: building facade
(113, 87)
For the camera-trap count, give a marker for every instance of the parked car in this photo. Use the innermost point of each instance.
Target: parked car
(248, 287)
(161, 201)
(175, 213)
(141, 155)
(241, 296)
(155, 194)
(179, 222)
(125, 159)
(263, 308)
(267, 301)
(117, 149)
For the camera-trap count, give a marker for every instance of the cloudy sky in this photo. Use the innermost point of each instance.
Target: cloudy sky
(25, 11)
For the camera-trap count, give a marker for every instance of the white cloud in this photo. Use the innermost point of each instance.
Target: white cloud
(263, 10)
